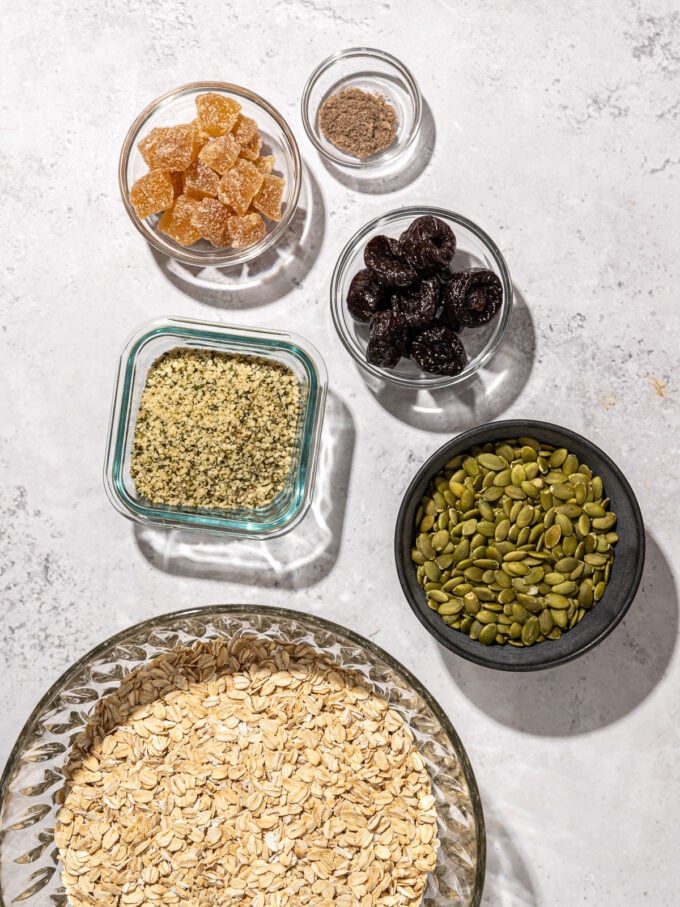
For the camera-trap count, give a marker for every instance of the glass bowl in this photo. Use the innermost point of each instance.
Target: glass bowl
(178, 106)
(371, 70)
(158, 337)
(474, 248)
(629, 553)
(33, 777)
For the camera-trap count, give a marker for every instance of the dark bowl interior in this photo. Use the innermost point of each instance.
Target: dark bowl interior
(625, 576)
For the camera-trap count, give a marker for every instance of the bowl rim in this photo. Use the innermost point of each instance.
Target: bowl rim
(424, 381)
(229, 257)
(308, 122)
(321, 623)
(479, 435)
(121, 413)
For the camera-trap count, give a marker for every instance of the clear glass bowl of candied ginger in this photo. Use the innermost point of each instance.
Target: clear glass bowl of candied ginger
(210, 174)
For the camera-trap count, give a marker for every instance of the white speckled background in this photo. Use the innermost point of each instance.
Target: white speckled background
(556, 128)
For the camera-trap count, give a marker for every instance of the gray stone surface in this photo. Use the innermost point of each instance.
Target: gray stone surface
(556, 128)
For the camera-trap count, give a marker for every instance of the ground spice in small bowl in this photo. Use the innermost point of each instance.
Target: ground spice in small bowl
(360, 123)
(215, 430)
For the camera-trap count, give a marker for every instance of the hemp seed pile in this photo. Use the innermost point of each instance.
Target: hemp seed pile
(246, 772)
(215, 430)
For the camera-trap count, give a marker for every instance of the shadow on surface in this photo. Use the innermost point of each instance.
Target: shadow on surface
(482, 398)
(596, 689)
(409, 169)
(297, 560)
(508, 880)
(269, 277)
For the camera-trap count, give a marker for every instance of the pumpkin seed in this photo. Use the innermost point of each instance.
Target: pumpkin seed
(512, 536)
(488, 634)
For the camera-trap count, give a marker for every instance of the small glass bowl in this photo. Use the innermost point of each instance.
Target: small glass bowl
(158, 337)
(33, 779)
(371, 70)
(178, 106)
(474, 248)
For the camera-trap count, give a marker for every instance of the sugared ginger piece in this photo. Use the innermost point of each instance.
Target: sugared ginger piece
(211, 219)
(201, 181)
(170, 147)
(216, 113)
(265, 164)
(220, 153)
(152, 193)
(176, 222)
(201, 135)
(239, 185)
(246, 134)
(268, 199)
(245, 231)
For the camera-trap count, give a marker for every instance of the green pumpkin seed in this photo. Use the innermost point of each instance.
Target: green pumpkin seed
(455, 606)
(518, 474)
(554, 600)
(545, 622)
(432, 571)
(566, 588)
(604, 522)
(530, 631)
(552, 536)
(553, 579)
(438, 596)
(562, 492)
(564, 523)
(558, 457)
(485, 616)
(560, 618)
(501, 479)
(488, 634)
(440, 539)
(506, 596)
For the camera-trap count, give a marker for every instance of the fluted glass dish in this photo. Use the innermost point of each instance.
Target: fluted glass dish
(154, 339)
(474, 249)
(178, 106)
(29, 787)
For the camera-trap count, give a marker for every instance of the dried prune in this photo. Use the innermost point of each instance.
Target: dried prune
(365, 295)
(472, 297)
(428, 243)
(418, 304)
(387, 340)
(438, 349)
(385, 257)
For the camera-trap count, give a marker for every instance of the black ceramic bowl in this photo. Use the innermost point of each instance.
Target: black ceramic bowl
(625, 576)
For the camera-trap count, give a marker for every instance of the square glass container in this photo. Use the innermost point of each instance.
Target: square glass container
(154, 339)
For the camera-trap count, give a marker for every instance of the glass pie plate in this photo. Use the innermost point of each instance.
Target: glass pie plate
(33, 777)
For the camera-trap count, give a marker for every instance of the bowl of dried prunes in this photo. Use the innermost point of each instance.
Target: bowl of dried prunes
(421, 297)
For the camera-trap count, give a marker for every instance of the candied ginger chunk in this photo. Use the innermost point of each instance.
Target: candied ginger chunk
(265, 164)
(268, 199)
(220, 153)
(170, 147)
(211, 219)
(239, 185)
(176, 222)
(153, 192)
(246, 134)
(200, 181)
(217, 114)
(245, 231)
(201, 135)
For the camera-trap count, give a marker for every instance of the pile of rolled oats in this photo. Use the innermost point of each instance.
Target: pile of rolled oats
(246, 772)
(215, 430)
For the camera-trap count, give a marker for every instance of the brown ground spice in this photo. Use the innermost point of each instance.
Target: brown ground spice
(358, 122)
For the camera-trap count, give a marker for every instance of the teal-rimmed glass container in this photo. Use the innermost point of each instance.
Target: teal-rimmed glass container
(154, 339)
